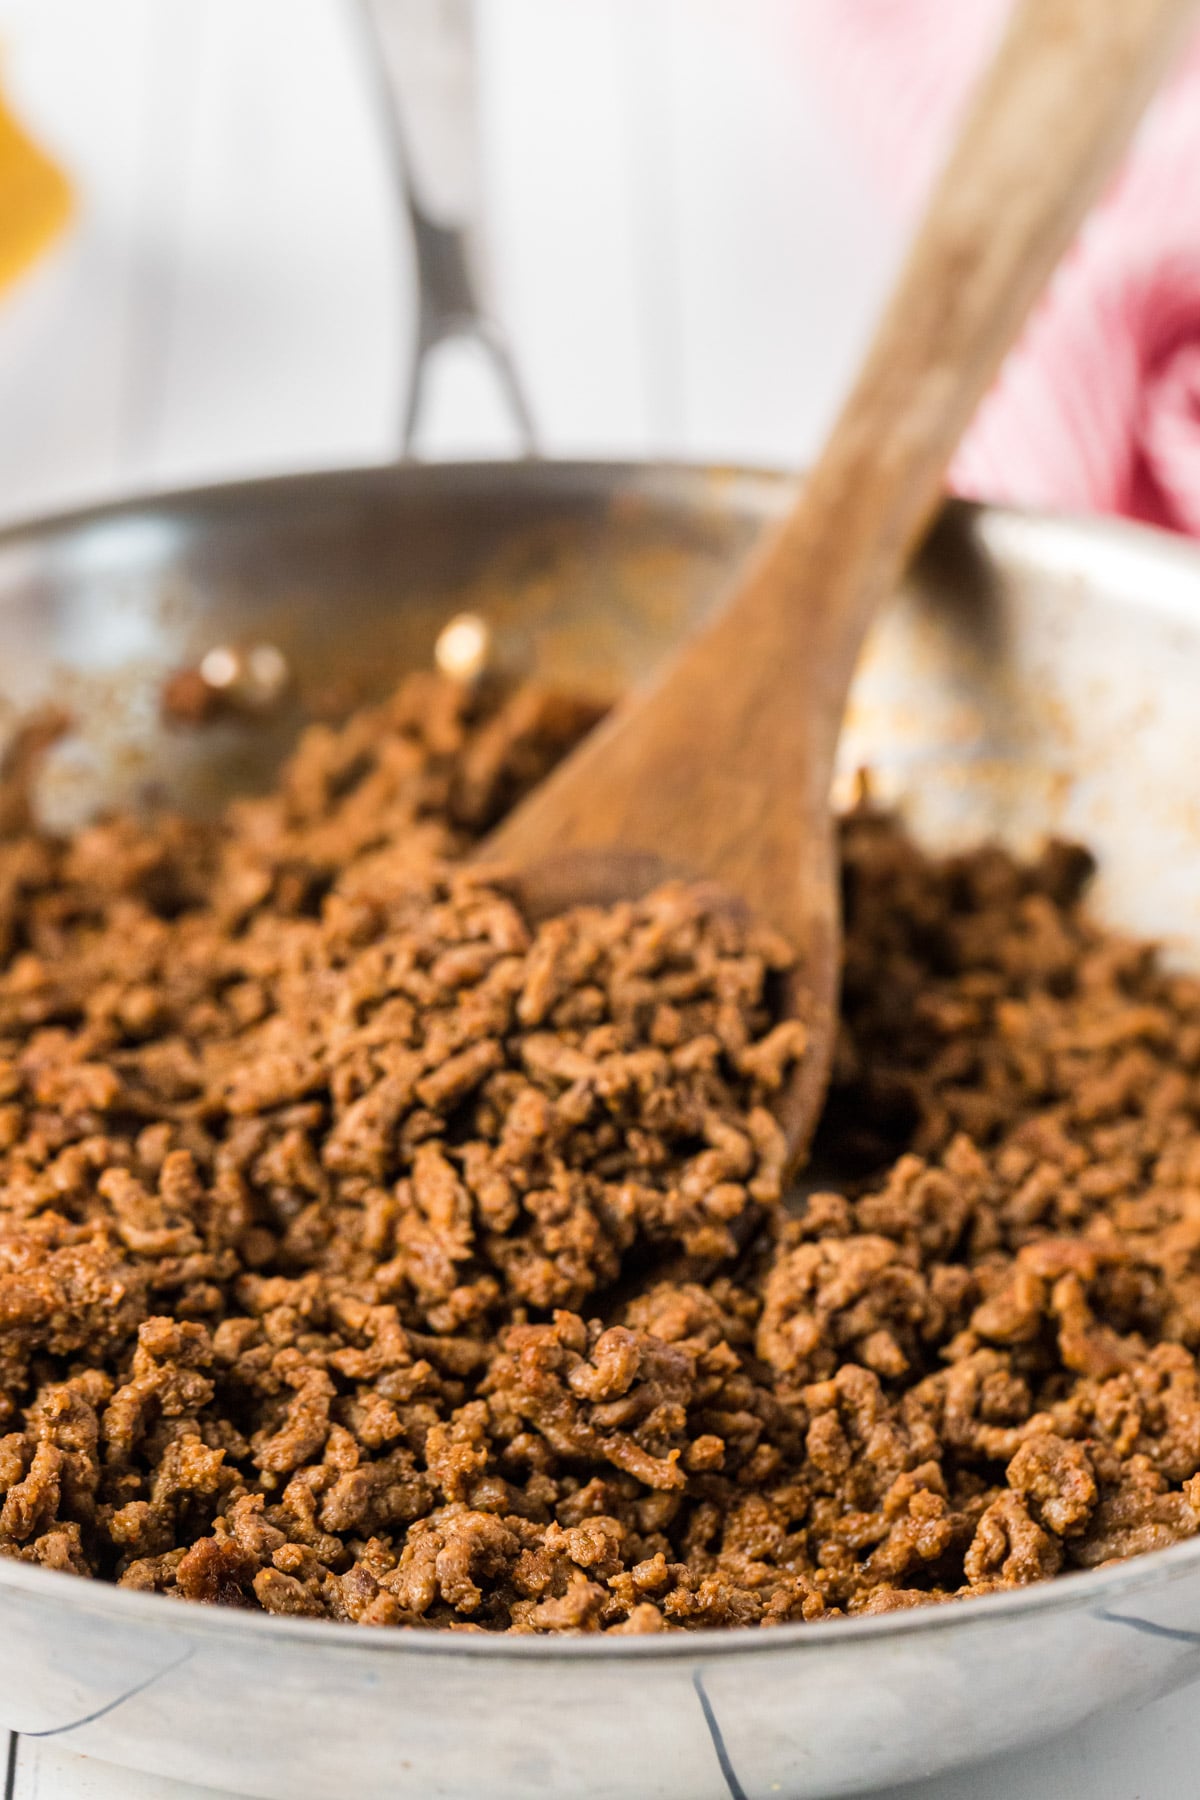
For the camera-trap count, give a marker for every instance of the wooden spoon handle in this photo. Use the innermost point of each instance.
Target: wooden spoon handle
(723, 769)
(1045, 129)
(724, 766)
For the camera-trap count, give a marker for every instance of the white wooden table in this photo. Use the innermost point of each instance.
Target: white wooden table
(688, 259)
(1149, 1754)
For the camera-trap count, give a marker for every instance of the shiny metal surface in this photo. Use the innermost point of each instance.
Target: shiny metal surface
(423, 52)
(1035, 676)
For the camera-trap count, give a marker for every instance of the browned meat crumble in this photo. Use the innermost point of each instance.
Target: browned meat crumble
(336, 1200)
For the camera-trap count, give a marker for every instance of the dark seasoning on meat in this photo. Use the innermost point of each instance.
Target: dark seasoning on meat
(335, 1203)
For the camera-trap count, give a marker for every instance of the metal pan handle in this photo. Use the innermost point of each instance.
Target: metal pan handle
(423, 61)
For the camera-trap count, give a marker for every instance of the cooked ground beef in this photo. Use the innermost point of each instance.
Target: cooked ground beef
(367, 1252)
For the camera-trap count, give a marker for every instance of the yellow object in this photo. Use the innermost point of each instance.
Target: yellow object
(35, 199)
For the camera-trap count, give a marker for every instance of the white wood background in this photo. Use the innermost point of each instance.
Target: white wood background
(686, 254)
(1149, 1754)
(687, 257)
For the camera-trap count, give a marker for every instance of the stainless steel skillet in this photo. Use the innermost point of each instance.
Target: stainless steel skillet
(1037, 675)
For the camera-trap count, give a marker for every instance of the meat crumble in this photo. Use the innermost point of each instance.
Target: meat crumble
(369, 1252)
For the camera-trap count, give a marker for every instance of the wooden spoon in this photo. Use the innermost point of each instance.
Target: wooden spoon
(723, 770)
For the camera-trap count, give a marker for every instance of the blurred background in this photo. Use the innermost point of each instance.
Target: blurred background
(684, 246)
(683, 213)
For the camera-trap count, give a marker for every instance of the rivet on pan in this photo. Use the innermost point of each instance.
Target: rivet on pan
(464, 647)
(254, 677)
(267, 674)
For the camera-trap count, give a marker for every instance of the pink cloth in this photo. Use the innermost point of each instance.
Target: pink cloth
(1098, 409)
